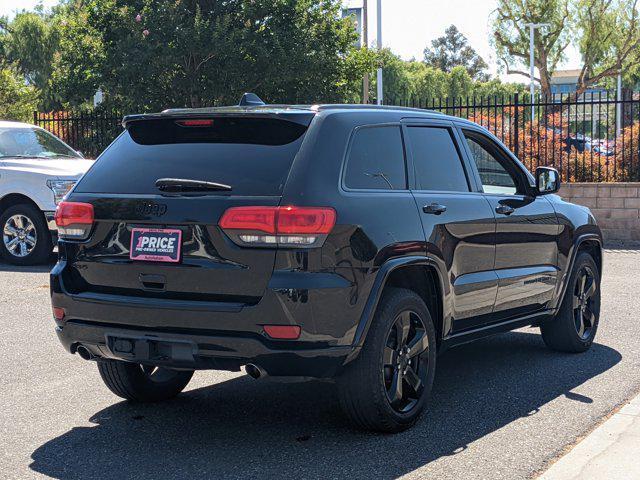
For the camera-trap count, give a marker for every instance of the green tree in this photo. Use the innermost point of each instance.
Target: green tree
(453, 50)
(152, 54)
(17, 99)
(358, 62)
(431, 83)
(496, 88)
(396, 77)
(606, 32)
(416, 83)
(460, 83)
(78, 66)
(29, 42)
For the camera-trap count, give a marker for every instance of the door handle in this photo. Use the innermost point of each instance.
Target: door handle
(153, 282)
(434, 209)
(504, 210)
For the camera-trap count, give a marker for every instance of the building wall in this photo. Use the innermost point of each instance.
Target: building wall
(616, 207)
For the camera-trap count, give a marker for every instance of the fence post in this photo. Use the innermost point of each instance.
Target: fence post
(516, 128)
(35, 117)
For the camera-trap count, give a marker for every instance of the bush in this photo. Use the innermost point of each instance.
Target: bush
(17, 99)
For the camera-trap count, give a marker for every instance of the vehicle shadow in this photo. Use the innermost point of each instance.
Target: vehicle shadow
(44, 268)
(244, 428)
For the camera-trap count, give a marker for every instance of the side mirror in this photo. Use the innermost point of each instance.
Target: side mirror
(547, 180)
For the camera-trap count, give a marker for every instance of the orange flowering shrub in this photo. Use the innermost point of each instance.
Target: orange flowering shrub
(552, 141)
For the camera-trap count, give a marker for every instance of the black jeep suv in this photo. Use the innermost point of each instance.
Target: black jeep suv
(333, 241)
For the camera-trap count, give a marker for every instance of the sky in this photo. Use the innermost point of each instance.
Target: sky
(408, 26)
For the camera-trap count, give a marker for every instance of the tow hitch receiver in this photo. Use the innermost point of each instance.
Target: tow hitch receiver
(150, 349)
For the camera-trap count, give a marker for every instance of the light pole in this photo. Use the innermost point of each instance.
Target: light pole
(365, 44)
(532, 85)
(379, 45)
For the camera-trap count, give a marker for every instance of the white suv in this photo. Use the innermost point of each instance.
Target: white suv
(37, 169)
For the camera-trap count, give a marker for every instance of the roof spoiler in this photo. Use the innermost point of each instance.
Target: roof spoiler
(250, 100)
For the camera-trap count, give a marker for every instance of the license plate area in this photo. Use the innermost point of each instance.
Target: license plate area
(155, 244)
(150, 349)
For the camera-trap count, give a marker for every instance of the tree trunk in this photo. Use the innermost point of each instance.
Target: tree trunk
(545, 77)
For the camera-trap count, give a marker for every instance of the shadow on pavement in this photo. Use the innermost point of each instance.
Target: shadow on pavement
(44, 268)
(245, 428)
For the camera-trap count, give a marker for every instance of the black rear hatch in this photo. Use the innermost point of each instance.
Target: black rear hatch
(250, 153)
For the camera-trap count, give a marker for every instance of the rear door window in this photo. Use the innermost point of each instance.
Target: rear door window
(252, 155)
(376, 159)
(437, 162)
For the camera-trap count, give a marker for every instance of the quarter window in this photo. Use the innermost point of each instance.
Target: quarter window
(437, 163)
(376, 159)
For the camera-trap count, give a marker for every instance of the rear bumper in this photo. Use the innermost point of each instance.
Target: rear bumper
(206, 335)
(202, 351)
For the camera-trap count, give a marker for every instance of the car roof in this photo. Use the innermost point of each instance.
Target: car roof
(12, 124)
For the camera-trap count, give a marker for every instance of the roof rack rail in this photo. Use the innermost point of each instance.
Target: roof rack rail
(250, 100)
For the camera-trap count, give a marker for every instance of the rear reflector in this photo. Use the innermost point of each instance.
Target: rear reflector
(58, 313)
(282, 332)
(284, 226)
(74, 220)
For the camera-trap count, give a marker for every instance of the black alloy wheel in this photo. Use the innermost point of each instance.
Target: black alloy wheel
(582, 301)
(575, 324)
(405, 361)
(386, 388)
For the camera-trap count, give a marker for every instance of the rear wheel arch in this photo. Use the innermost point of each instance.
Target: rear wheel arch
(424, 281)
(419, 274)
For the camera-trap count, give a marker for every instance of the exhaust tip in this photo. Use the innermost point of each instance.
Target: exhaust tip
(84, 352)
(254, 371)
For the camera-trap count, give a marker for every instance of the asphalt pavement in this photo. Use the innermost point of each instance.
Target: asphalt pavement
(503, 407)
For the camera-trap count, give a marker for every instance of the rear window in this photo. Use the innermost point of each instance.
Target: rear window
(252, 155)
(376, 160)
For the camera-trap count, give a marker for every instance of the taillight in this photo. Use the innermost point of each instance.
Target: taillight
(278, 226)
(74, 220)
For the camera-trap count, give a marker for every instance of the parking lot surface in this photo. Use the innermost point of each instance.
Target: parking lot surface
(503, 407)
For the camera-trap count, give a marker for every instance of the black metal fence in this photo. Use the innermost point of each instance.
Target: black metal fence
(594, 138)
(88, 132)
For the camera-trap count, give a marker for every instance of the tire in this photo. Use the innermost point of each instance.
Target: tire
(366, 388)
(137, 383)
(26, 226)
(574, 327)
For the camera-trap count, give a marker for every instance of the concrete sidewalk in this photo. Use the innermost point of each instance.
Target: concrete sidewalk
(611, 451)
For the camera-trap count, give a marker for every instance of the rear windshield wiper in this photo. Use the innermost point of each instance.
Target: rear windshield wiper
(178, 185)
